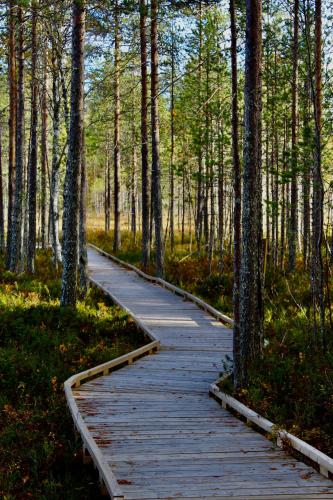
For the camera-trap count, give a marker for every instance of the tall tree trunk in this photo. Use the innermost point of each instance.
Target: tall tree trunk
(307, 160)
(133, 195)
(207, 153)
(220, 195)
(172, 153)
(44, 155)
(317, 273)
(83, 256)
(117, 240)
(55, 174)
(144, 137)
(133, 179)
(198, 222)
(237, 195)
(32, 171)
(16, 233)
(293, 224)
(183, 206)
(2, 214)
(156, 167)
(251, 307)
(284, 196)
(212, 196)
(72, 194)
(107, 197)
(11, 124)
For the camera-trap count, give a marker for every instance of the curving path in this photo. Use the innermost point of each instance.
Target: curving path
(151, 427)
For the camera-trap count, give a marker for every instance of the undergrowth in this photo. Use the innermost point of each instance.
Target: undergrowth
(41, 345)
(293, 383)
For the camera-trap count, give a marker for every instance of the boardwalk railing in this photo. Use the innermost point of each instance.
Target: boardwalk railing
(107, 478)
(283, 438)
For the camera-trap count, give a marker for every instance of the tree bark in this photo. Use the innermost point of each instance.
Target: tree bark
(16, 233)
(306, 182)
(117, 235)
(156, 167)
(11, 124)
(2, 215)
(72, 194)
(107, 197)
(317, 273)
(32, 172)
(133, 179)
(172, 137)
(83, 256)
(237, 195)
(251, 307)
(144, 137)
(293, 224)
(44, 155)
(199, 211)
(55, 173)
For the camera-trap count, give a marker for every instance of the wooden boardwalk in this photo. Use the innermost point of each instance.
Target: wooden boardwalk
(154, 424)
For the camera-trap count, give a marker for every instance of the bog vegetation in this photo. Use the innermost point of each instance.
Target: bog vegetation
(41, 345)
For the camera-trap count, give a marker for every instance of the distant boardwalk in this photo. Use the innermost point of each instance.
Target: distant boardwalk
(154, 423)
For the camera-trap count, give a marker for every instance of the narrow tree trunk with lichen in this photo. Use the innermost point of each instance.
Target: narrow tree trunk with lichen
(55, 171)
(11, 124)
(83, 256)
(72, 182)
(116, 145)
(44, 154)
(317, 271)
(251, 306)
(293, 223)
(32, 170)
(2, 214)
(156, 167)
(16, 233)
(144, 137)
(237, 196)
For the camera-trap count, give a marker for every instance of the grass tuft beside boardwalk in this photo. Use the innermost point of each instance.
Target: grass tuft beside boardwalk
(41, 345)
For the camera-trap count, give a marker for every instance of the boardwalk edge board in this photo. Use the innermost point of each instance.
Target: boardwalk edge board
(107, 478)
(283, 437)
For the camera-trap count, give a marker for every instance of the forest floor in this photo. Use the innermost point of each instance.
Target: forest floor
(293, 384)
(41, 345)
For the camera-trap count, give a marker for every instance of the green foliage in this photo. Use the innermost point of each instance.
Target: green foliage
(293, 383)
(41, 345)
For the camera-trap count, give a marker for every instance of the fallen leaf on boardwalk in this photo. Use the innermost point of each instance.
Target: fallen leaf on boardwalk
(124, 481)
(306, 475)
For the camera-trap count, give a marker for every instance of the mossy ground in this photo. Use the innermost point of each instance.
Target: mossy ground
(41, 345)
(293, 383)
